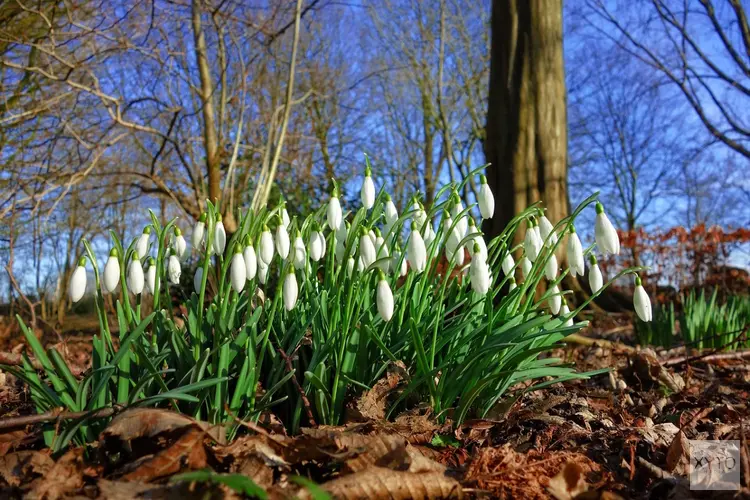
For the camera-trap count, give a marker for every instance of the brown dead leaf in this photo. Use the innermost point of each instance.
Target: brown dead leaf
(678, 455)
(568, 483)
(11, 439)
(22, 467)
(659, 435)
(372, 404)
(376, 483)
(646, 369)
(65, 477)
(382, 450)
(188, 452)
(149, 422)
(127, 490)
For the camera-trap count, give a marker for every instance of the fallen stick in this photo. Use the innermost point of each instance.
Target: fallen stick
(56, 416)
(708, 358)
(654, 470)
(576, 338)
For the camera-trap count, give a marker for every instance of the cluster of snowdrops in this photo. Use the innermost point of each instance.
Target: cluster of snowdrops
(303, 314)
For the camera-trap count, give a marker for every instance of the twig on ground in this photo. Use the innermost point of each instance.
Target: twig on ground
(300, 390)
(710, 357)
(654, 470)
(588, 341)
(57, 416)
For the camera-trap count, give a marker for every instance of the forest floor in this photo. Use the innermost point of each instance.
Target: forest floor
(619, 435)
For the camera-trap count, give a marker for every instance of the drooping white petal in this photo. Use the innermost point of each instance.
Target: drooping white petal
(238, 272)
(141, 247)
(508, 264)
(551, 268)
(605, 233)
(266, 247)
(564, 311)
(416, 253)
(111, 276)
(480, 276)
(531, 244)
(368, 192)
(333, 214)
(251, 262)
(462, 224)
(317, 246)
(199, 231)
(366, 250)
(290, 291)
(151, 278)
(173, 270)
(220, 238)
(262, 272)
(398, 264)
(596, 281)
(135, 277)
(575, 254)
(391, 214)
(555, 300)
(525, 267)
(198, 280)
(381, 250)
(384, 300)
(350, 266)
(285, 218)
(486, 199)
(77, 285)
(642, 302)
(300, 253)
(546, 230)
(282, 241)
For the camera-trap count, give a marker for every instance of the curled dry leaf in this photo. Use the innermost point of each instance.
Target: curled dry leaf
(127, 490)
(12, 439)
(373, 403)
(22, 467)
(568, 483)
(149, 422)
(65, 477)
(376, 483)
(648, 372)
(678, 455)
(188, 452)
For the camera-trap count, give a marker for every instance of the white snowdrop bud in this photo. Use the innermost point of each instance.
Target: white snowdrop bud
(512, 284)
(180, 245)
(198, 280)
(282, 241)
(251, 260)
(641, 301)
(391, 214)
(479, 240)
(141, 247)
(551, 268)
(564, 311)
(266, 246)
(532, 243)
(237, 271)
(547, 232)
(479, 275)
(220, 236)
(173, 269)
(575, 253)
(366, 248)
(77, 285)
(555, 300)
(262, 272)
(416, 253)
(384, 298)
(368, 190)
(111, 276)
(595, 275)
(605, 233)
(525, 267)
(285, 218)
(300, 252)
(381, 251)
(135, 276)
(428, 234)
(290, 291)
(317, 245)
(341, 235)
(333, 214)
(418, 214)
(350, 266)
(462, 225)
(199, 232)
(508, 264)
(151, 276)
(399, 264)
(485, 199)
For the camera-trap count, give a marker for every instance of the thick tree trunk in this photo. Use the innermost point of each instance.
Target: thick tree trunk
(526, 140)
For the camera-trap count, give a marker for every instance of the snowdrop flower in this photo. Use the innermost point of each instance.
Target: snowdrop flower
(368, 190)
(429, 234)
(419, 215)
(77, 285)
(317, 245)
(333, 214)
(282, 241)
(299, 257)
(508, 264)
(555, 300)
(381, 250)
(605, 233)
(290, 291)
(173, 269)
(478, 239)
(595, 275)
(111, 276)
(237, 271)
(479, 275)
(366, 249)
(547, 232)
(220, 236)
(341, 235)
(641, 302)
(447, 223)
(397, 263)
(198, 280)
(462, 224)
(285, 217)
(373, 238)
(575, 253)
(350, 266)
(525, 267)
(486, 199)
(262, 272)
(141, 247)
(564, 311)
(251, 260)
(135, 275)
(266, 246)
(384, 298)
(416, 253)
(391, 214)
(151, 276)
(550, 268)
(532, 243)
(199, 232)
(180, 245)
(512, 284)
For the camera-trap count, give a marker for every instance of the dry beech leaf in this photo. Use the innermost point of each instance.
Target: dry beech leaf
(188, 452)
(659, 435)
(377, 483)
(11, 439)
(66, 476)
(568, 483)
(373, 403)
(127, 490)
(678, 455)
(22, 467)
(149, 422)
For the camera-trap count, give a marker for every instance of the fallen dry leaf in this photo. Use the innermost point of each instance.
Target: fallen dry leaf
(127, 490)
(373, 403)
(65, 477)
(678, 455)
(659, 435)
(149, 422)
(188, 452)
(11, 439)
(377, 483)
(568, 483)
(22, 466)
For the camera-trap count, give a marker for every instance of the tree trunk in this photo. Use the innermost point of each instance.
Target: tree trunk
(526, 140)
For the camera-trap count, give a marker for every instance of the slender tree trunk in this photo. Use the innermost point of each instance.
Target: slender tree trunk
(526, 140)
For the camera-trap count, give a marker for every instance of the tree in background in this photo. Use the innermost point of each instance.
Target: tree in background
(526, 135)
